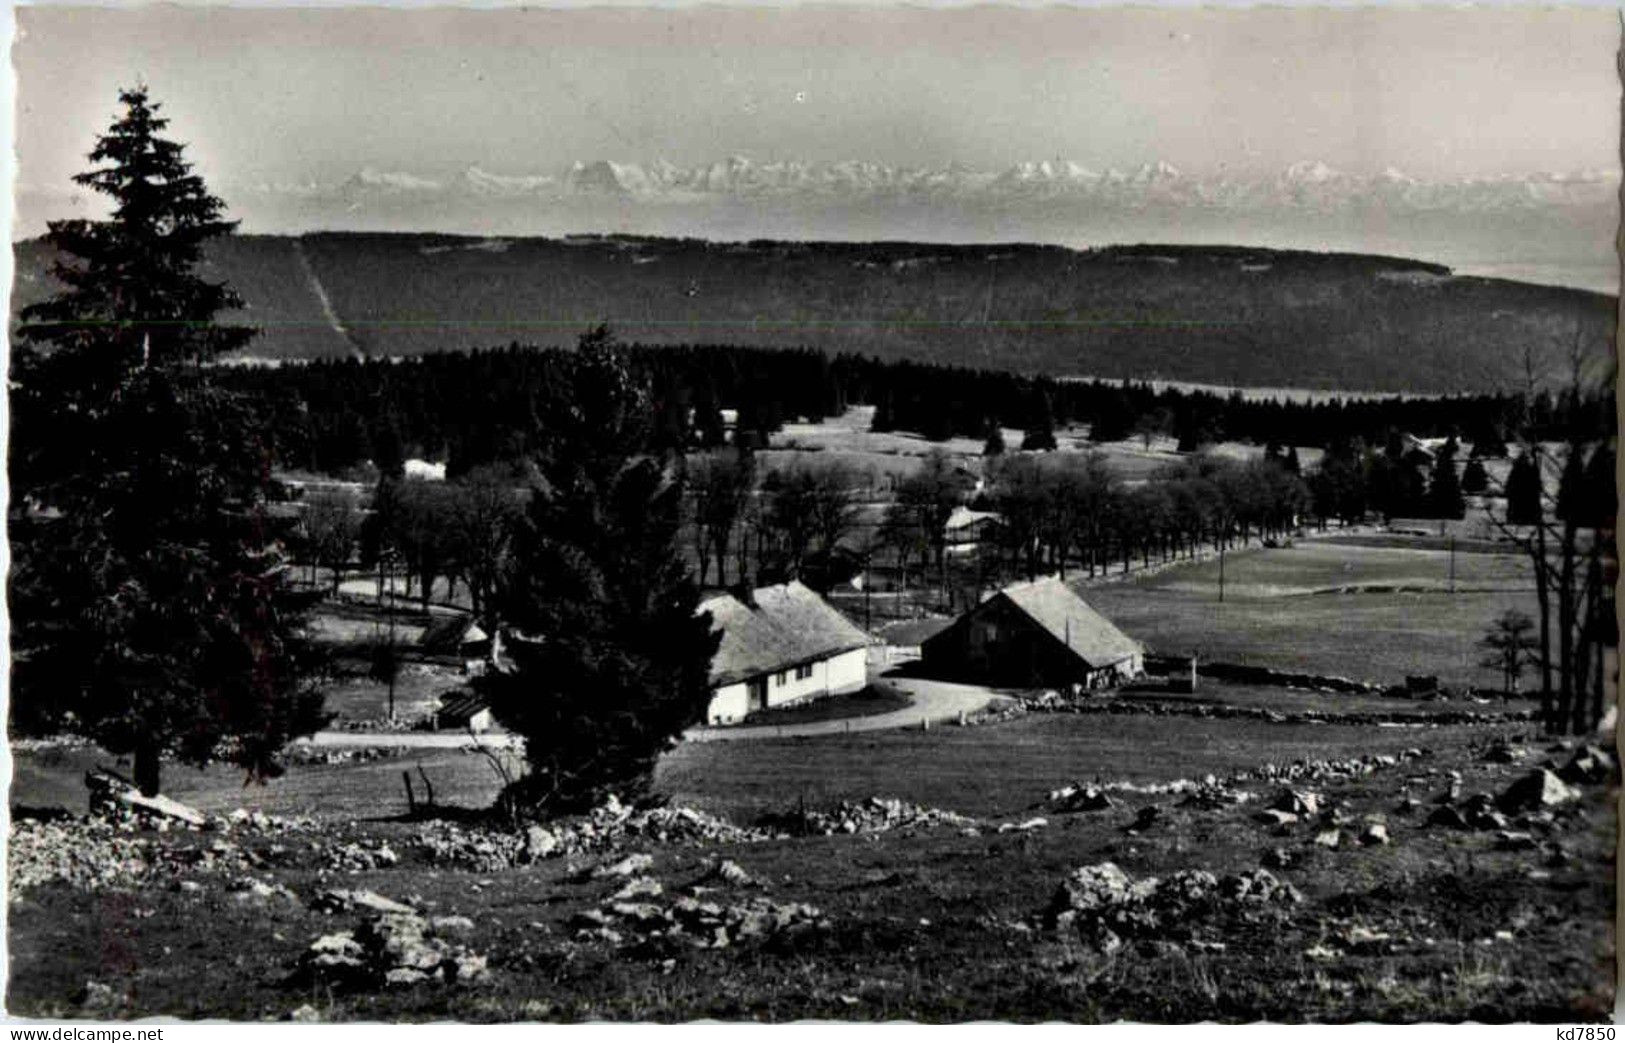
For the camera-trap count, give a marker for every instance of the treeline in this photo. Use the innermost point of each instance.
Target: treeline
(471, 409)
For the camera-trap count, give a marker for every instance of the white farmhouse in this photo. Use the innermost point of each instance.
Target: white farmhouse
(781, 645)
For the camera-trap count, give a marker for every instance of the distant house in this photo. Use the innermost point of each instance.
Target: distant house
(459, 637)
(1038, 633)
(455, 635)
(965, 528)
(781, 644)
(424, 470)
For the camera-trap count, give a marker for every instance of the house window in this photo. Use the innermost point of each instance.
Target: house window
(804, 672)
(780, 678)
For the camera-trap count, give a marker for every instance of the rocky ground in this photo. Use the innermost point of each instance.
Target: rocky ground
(1467, 880)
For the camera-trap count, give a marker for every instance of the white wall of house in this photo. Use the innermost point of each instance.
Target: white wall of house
(728, 703)
(837, 675)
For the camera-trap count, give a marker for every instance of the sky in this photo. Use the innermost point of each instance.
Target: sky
(314, 94)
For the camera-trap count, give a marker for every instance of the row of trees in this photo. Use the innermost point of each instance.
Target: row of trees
(481, 408)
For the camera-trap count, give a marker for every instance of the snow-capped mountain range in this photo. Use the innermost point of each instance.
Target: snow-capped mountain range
(1307, 185)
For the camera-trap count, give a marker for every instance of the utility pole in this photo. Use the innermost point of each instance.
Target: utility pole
(1452, 563)
(1221, 571)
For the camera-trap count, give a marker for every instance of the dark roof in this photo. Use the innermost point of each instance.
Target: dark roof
(460, 705)
(786, 625)
(1054, 607)
(448, 633)
(909, 632)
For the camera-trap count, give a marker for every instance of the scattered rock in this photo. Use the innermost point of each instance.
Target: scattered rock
(659, 929)
(1080, 798)
(386, 950)
(1104, 905)
(1590, 766)
(1301, 803)
(637, 888)
(1147, 817)
(99, 998)
(1214, 794)
(1503, 751)
(1276, 817)
(1358, 938)
(1448, 817)
(1279, 858)
(360, 856)
(631, 865)
(874, 815)
(336, 900)
(1508, 840)
(248, 887)
(605, 828)
(117, 798)
(728, 873)
(1538, 789)
(306, 1014)
(1375, 834)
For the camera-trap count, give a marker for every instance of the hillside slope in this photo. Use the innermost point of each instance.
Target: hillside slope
(1222, 315)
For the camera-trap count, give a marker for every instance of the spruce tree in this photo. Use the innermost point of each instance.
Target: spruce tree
(1040, 433)
(1444, 490)
(1523, 491)
(1474, 479)
(994, 445)
(611, 658)
(151, 603)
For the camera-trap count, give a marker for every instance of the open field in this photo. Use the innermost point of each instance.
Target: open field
(891, 455)
(1287, 609)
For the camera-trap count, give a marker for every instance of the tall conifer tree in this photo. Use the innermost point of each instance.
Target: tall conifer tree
(151, 600)
(611, 659)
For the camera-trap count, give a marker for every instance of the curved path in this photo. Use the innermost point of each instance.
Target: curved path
(933, 701)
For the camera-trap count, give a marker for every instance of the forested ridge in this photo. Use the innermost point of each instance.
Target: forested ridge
(1231, 316)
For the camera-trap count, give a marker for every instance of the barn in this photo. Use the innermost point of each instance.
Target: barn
(781, 644)
(1031, 634)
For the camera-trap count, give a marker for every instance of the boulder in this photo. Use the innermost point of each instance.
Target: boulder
(540, 842)
(1590, 766)
(109, 791)
(1081, 798)
(1509, 840)
(637, 888)
(1538, 789)
(338, 900)
(1276, 817)
(1448, 817)
(729, 873)
(1092, 887)
(1375, 834)
(1328, 838)
(1301, 803)
(631, 865)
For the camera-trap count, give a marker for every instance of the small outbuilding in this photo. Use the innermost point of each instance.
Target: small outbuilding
(463, 710)
(1035, 634)
(781, 644)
